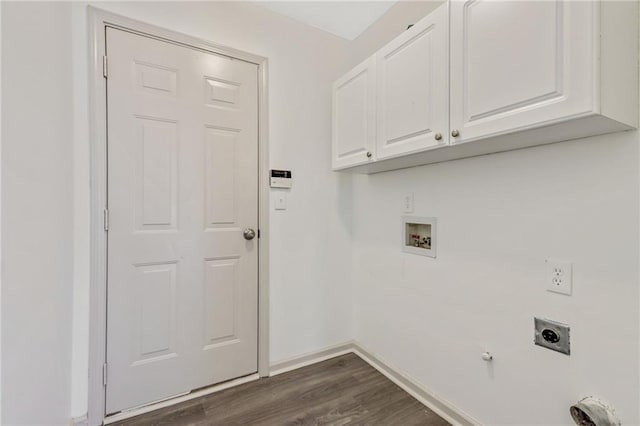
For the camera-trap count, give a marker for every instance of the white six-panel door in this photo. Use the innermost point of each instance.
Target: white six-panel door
(412, 90)
(182, 186)
(515, 64)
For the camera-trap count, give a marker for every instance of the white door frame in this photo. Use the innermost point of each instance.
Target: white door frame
(98, 21)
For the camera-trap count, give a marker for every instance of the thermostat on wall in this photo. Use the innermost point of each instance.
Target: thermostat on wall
(281, 178)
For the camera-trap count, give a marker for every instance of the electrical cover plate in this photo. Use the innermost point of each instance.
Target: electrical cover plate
(552, 335)
(559, 276)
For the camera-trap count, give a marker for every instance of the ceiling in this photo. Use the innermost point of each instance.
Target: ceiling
(346, 19)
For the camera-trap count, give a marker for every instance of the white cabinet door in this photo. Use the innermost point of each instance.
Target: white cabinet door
(354, 116)
(413, 89)
(519, 64)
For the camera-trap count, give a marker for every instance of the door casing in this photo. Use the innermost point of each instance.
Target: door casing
(98, 21)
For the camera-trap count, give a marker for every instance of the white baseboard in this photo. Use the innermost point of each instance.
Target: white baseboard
(438, 405)
(310, 358)
(79, 421)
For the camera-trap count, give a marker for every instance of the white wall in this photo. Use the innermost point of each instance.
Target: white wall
(37, 214)
(499, 217)
(45, 189)
(310, 245)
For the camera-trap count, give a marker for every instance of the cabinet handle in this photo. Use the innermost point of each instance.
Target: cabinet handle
(438, 136)
(369, 154)
(455, 133)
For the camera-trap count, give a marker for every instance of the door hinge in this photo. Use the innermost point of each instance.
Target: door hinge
(106, 219)
(104, 66)
(104, 374)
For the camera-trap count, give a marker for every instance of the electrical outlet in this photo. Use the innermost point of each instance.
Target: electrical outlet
(407, 202)
(559, 276)
(552, 335)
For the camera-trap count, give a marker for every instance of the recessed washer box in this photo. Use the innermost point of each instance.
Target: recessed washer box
(419, 235)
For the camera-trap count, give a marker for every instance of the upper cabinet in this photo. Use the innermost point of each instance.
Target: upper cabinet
(483, 76)
(522, 64)
(412, 89)
(354, 116)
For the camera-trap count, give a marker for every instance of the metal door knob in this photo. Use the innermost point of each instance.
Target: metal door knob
(438, 136)
(455, 133)
(249, 234)
(369, 154)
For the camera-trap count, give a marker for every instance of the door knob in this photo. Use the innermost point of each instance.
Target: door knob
(438, 136)
(249, 234)
(369, 154)
(455, 133)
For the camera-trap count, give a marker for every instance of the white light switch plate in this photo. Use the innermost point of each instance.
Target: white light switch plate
(280, 201)
(559, 276)
(407, 202)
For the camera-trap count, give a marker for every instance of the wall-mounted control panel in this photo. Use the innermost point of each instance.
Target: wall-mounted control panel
(552, 335)
(419, 235)
(280, 179)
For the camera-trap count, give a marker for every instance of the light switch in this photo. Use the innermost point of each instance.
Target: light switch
(407, 202)
(280, 201)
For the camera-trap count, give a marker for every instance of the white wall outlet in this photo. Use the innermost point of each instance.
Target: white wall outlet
(559, 276)
(407, 202)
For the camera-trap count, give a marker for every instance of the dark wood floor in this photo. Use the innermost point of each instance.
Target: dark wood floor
(340, 391)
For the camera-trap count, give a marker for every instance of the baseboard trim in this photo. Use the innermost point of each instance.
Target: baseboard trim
(79, 421)
(438, 405)
(310, 358)
(178, 399)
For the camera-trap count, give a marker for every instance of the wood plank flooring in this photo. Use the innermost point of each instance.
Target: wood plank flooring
(340, 391)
